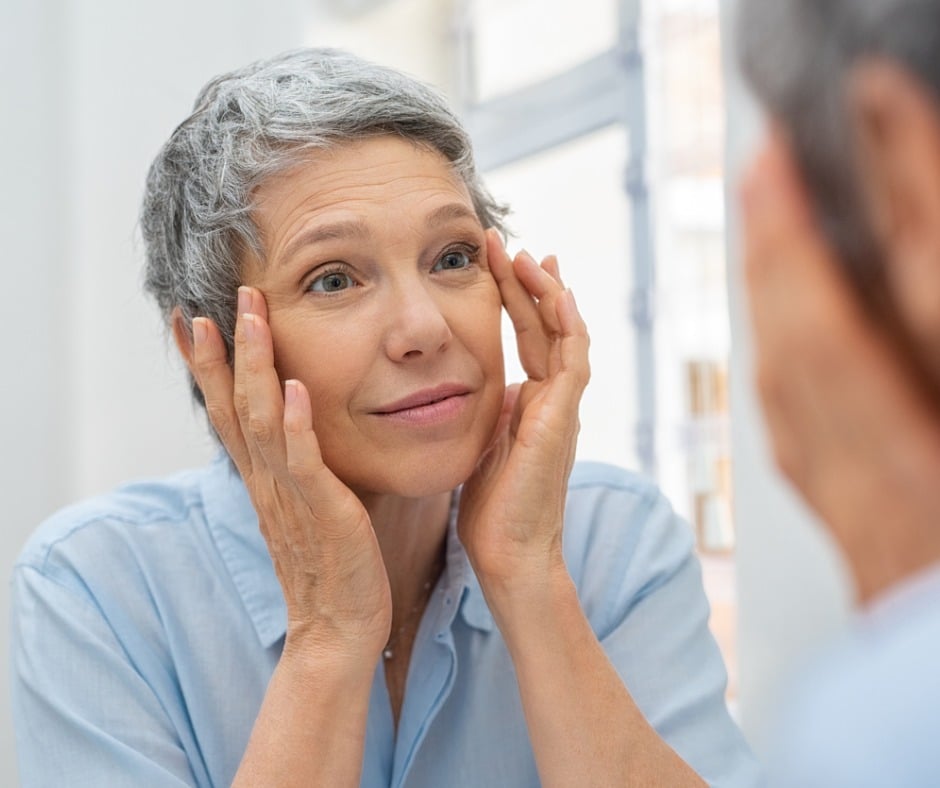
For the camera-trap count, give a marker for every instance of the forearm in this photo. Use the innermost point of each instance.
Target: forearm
(310, 730)
(584, 726)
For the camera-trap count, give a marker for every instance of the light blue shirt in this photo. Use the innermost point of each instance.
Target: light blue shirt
(147, 623)
(868, 713)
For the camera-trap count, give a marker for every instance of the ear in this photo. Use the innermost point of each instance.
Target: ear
(183, 336)
(897, 131)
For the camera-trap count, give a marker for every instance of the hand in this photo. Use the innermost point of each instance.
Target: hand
(512, 507)
(849, 425)
(319, 535)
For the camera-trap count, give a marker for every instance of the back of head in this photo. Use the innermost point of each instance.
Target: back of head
(259, 121)
(798, 56)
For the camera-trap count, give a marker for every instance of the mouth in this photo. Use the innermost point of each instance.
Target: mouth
(425, 400)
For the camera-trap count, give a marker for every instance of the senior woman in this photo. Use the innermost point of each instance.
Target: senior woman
(388, 577)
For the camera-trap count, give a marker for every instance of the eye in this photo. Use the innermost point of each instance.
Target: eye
(332, 282)
(454, 260)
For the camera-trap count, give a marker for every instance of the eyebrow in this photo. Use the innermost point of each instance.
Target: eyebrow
(449, 213)
(347, 229)
(356, 229)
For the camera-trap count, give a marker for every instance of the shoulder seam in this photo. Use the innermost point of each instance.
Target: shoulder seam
(153, 517)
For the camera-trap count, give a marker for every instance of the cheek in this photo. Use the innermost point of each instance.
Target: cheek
(481, 327)
(325, 357)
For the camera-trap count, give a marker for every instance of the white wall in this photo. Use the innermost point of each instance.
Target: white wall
(90, 396)
(792, 590)
(33, 421)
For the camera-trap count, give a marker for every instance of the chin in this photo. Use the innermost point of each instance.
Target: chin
(430, 473)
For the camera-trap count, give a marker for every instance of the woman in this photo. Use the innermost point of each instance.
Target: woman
(373, 586)
(840, 208)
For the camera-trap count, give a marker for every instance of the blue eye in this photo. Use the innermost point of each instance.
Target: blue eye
(453, 260)
(332, 282)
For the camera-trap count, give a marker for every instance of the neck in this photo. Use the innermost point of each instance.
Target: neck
(883, 508)
(890, 556)
(411, 533)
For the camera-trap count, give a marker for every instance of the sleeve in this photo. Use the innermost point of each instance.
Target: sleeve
(642, 590)
(83, 715)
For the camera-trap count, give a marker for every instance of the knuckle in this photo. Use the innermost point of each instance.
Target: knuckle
(219, 416)
(260, 429)
(240, 402)
(265, 503)
(299, 469)
(584, 375)
(202, 366)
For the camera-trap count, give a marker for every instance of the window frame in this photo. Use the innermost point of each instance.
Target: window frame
(607, 89)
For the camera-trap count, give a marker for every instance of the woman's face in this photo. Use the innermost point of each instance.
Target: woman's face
(381, 302)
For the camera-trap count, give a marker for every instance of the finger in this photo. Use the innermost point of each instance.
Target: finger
(214, 376)
(550, 264)
(302, 449)
(573, 347)
(258, 399)
(531, 342)
(255, 304)
(558, 397)
(540, 285)
(510, 397)
(320, 489)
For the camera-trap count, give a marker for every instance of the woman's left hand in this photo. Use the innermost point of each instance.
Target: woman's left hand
(512, 507)
(584, 726)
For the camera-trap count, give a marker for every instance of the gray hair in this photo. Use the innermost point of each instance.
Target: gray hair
(253, 123)
(798, 56)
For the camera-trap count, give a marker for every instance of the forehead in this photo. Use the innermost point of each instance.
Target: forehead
(369, 174)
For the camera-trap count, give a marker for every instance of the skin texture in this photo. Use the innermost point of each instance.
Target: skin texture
(851, 423)
(378, 282)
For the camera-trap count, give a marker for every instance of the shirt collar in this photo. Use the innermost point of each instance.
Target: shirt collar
(461, 579)
(233, 524)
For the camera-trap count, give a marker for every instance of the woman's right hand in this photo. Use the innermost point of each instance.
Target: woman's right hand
(319, 534)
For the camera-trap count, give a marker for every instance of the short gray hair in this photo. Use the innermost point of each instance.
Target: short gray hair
(253, 123)
(797, 56)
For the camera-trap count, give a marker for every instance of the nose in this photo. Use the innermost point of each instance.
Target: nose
(417, 326)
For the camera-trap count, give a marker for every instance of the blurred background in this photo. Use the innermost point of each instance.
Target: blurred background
(615, 129)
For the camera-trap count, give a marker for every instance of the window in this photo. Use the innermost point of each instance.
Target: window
(602, 117)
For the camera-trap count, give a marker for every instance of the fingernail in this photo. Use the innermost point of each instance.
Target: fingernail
(290, 392)
(250, 323)
(200, 330)
(244, 300)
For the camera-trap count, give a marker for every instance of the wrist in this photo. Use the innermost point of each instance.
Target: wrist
(532, 601)
(326, 675)
(320, 652)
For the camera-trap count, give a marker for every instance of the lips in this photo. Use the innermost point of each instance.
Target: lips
(423, 398)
